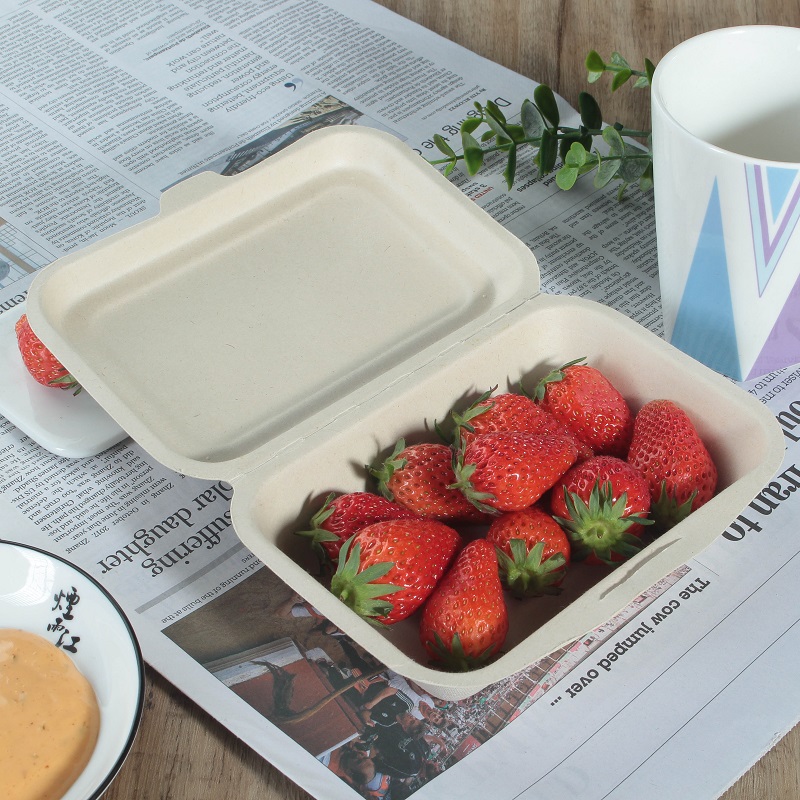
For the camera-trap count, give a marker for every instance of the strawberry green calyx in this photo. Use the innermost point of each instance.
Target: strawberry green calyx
(525, 574)
(554, 376)
(66, 381)
(383, 472)
(463, 474)
(316, 533)
(599, 528)
(667, 511)
(463, 420)
(452, 658)
(356, 588)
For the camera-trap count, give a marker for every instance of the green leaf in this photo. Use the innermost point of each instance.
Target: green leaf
(449, 168)
(595, 65)
(576, 155)
(649, 68)
(620, 78)
(612, 138)
(511, 167)
(566, 177)
(595, 62)
(516, 132)
(646, 181)
(589, 108)
(565, 142)
(531, 119)
(473, 152)
(494, 110)
(606, 172)
(440, 142)
(618, 61)
(497, 122)
(545, 101)
(548, 152)
(471, 124)
(631, 169)
(488, 135)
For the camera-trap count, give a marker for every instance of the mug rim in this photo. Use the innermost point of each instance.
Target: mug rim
(679, 50)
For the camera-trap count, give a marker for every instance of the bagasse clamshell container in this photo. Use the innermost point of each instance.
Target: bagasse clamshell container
(282, 328)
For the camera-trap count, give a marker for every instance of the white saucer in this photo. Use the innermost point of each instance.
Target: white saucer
(43, 594)
(72, 426)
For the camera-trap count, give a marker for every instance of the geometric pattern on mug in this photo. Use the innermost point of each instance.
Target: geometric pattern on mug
(782, 345)
(704, 325)
(774, 195)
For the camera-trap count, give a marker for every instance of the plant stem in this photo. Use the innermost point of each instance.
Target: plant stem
(627, 156)
(599, 132)
(536, 143)
(619, 68)
(624, 132)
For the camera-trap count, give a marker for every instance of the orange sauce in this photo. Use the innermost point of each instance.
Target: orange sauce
(49, 718)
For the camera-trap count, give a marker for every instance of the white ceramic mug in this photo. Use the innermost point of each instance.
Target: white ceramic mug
(726, 162)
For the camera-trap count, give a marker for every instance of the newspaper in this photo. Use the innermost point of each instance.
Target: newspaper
(106, 103)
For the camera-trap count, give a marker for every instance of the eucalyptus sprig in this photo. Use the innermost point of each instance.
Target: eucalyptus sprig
(621, 69)
(540, 128)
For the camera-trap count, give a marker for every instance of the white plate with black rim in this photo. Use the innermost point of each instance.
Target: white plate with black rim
(43, 594)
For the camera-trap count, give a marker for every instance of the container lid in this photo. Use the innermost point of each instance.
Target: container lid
(258, 308)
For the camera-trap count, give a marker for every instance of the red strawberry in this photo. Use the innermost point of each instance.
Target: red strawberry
(340, 517)
(667, 448)
(511, 471)
(510, 412)
(465, 621)
(532, 550)
(419, 477)
(387, 570)
(602, 504)
(40, 362)
(589, 405)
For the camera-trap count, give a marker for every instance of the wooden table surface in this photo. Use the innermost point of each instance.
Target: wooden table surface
(183, 754)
